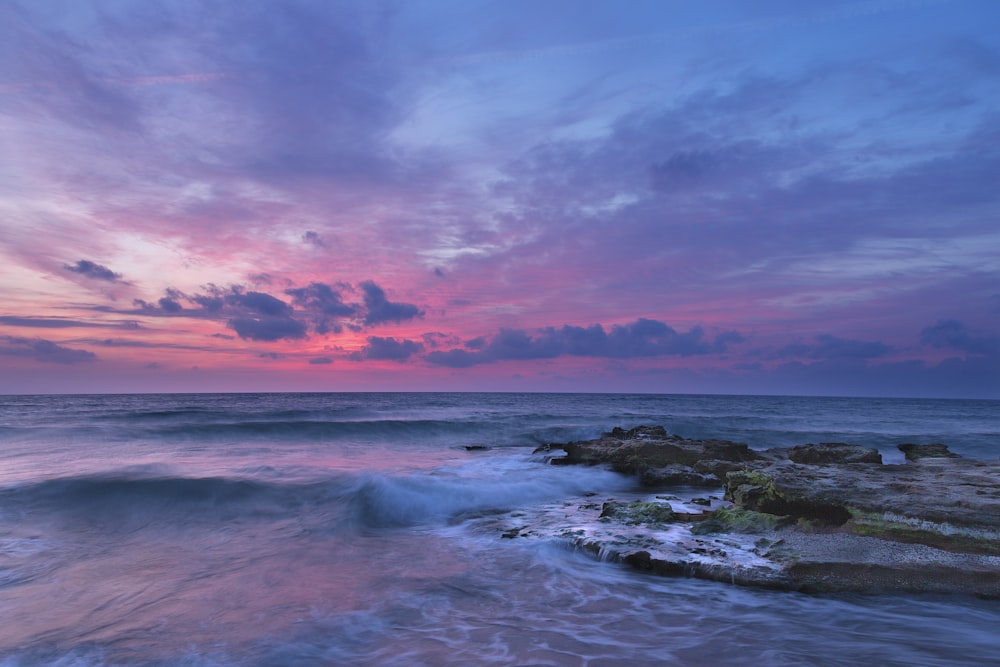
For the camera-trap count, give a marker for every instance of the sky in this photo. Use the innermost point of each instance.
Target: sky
(767, 197)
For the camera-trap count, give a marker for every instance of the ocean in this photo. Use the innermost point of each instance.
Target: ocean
(360, 529)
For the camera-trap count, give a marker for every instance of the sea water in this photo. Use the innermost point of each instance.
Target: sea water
(350, 529)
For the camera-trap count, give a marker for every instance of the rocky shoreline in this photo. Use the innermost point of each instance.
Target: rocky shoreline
(814, 518)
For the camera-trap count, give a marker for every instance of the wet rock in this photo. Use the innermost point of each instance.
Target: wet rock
(816, 517)
(757, 490)
(638, 433)
(833, 452)
(719, 469)
(638, 512)
(935, 451)
(676, 475)
(650, 447)
(737, 520)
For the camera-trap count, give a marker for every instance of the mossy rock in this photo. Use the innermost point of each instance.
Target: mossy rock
(738, 520)
(752, 489)
(755, 490)
(638, 512)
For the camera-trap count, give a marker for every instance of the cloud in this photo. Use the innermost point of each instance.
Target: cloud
(380, 309)
(640, 339)
(170, 305)
(89, 269)
(313, 238)
(317, 361)
(267, 329)
(44, 351)
(324, 304)
(379, 348)
(952, 334)
(260, 316)
(251, 314)
(832, 348)
(63, 323)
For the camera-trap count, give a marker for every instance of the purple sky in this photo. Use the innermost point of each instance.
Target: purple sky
(721, 197)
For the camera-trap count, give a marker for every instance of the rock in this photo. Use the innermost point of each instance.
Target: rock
(737, 520)
(650, 447)
(935, 451)
(718, 468)
(638, 512)
(638, 433)
(815, 517)
(756, 490)
(833, 452)
(676, 475)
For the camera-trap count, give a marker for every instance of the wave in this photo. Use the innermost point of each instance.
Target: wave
(380, 501)
(125, 501)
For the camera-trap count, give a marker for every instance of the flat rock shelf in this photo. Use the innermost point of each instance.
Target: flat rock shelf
(820, 517)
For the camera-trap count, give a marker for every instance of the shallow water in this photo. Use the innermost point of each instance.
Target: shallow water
(352, 529)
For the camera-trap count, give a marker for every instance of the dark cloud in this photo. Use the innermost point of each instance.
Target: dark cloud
(381, 310)
(640, 339)
(89, 269)
(952, 334)
(325, 305)
(456, 358)
(379, 348)
(477, 343)
(170, 305)
(252, 315)
(262, 278)
(267, 329)
(313, 238)
(44, 351)
(436, 339)
(832, 348)
(260, 303)
(320, 361)
(256, 315)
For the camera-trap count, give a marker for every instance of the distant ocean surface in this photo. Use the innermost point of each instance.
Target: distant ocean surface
(346, 529)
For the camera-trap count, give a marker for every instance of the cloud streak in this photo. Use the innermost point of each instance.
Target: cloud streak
(43, 351)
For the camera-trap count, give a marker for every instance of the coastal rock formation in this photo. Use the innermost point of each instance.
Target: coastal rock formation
(658, 457)
(815, 517)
